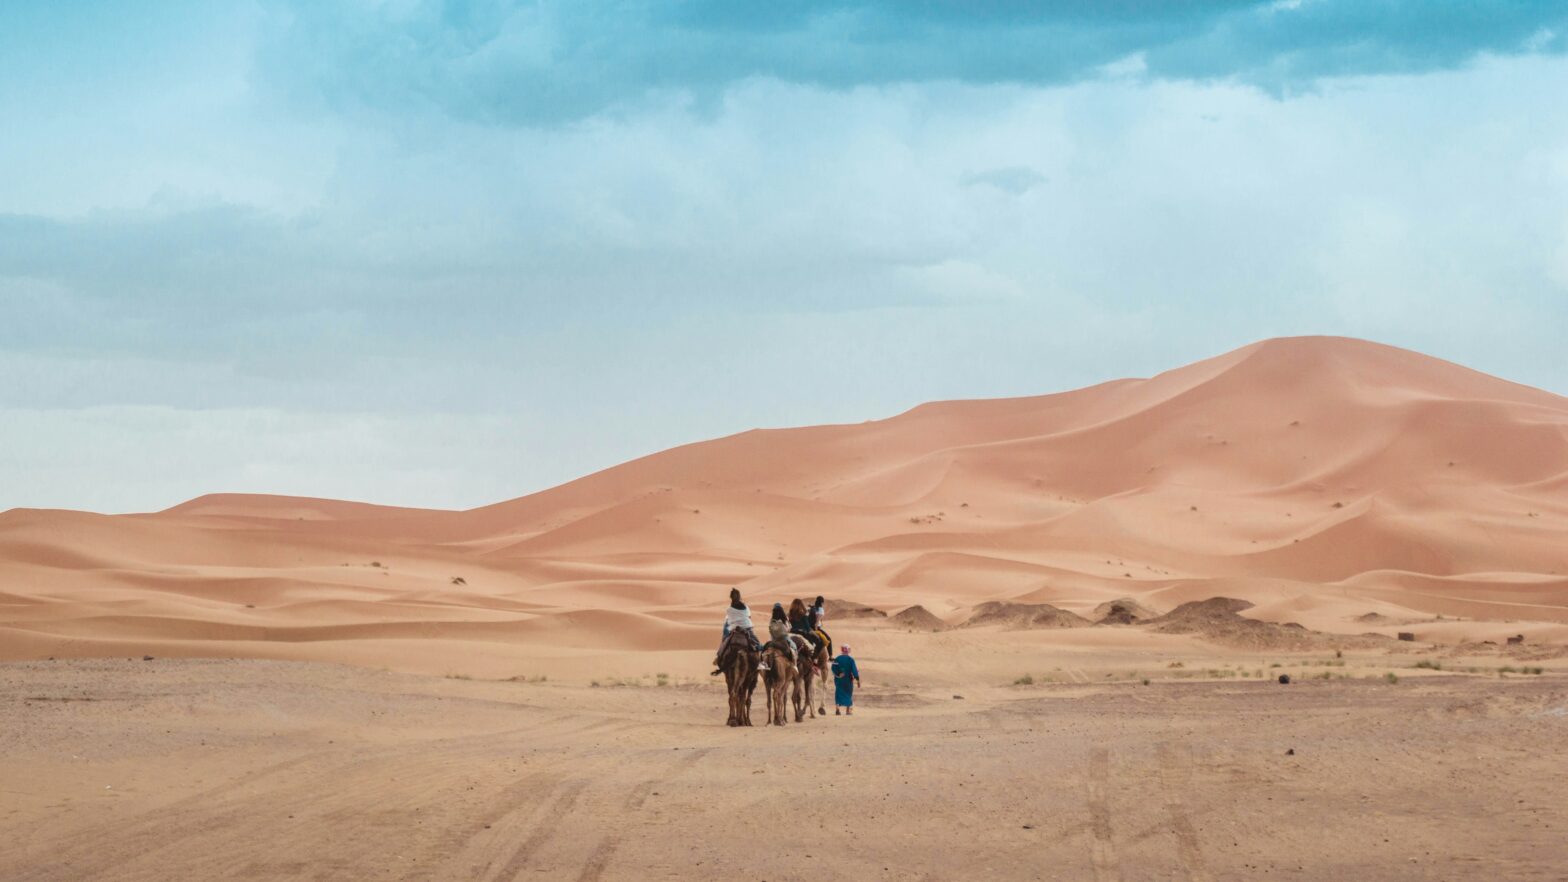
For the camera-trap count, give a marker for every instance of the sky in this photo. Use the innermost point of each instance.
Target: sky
(448, 253)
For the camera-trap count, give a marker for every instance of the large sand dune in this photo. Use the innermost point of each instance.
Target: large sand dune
(1318, 478)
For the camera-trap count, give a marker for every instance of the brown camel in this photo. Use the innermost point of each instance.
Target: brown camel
(803, 695)
(821, 660)
(780, 675)
(739, 662)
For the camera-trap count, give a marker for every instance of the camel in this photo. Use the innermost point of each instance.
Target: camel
(780, 675)
(804, 684)
(739, 662)
(823, 660)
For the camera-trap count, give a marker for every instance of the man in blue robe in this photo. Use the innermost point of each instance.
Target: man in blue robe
(846, 676)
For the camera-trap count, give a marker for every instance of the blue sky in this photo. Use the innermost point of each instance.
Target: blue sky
(449, 253)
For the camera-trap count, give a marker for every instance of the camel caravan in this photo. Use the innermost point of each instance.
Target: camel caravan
(791, 664)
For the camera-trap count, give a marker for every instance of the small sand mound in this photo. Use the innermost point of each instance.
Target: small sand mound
(919, 618)
(1024, 615)
(1124, 611)
(1218, 619)
(849, 609)
(1373, 618)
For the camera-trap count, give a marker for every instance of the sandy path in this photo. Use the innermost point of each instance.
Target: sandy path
(270, 770)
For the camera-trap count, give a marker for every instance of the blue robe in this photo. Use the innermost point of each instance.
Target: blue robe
(845, 673)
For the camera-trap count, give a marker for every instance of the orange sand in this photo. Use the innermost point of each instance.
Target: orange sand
(1319, 478)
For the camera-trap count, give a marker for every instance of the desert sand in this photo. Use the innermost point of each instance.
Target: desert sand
(338, 690)
(244, 769)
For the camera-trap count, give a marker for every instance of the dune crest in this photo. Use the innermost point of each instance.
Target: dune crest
(1314, 477)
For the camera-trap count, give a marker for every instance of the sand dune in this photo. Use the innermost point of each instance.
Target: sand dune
(1316, 478)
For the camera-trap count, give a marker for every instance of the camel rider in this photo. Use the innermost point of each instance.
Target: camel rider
(737, 616)
(818, 613)
(800, 623)
(778, 630)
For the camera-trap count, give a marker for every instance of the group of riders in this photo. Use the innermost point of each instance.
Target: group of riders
(800, 619)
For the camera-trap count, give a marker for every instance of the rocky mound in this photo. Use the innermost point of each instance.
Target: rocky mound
(1219, 620)
(1024, 615)
(1124, 611)
(849, 609)
(918, 618)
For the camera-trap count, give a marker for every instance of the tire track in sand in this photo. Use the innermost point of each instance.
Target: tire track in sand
(1102, 849)
(549, 818)
(599, 858)
(1175, 778)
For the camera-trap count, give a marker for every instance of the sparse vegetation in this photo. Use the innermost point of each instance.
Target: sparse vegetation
(1391, 677)
(1025, 680)
(1429, 665)
(458, 677)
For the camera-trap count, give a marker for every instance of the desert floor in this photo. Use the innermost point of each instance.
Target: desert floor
(189, 769)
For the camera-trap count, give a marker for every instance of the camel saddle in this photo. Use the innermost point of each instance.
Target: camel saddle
(737, 641)
(803, 649)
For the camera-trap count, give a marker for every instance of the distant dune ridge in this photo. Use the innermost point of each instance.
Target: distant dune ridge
(1320, 479)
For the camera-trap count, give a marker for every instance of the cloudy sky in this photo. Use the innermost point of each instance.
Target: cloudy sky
(444, 254)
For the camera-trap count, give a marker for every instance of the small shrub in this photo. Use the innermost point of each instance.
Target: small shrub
(459, 580)
(1145, 681)
(1506, 669)
(594, 684)
(1391, 677)
(1429, 665)
(1025, 680)
(1175, 665)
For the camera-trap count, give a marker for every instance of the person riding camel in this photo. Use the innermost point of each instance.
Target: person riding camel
(737, 617)
(818, 613)
(800, 623)
(778, 631)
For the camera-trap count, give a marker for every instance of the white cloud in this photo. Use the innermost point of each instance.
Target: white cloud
(451, 314)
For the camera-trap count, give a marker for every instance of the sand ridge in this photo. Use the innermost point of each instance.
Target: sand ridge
(1316, 478)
